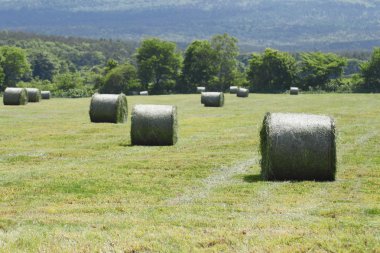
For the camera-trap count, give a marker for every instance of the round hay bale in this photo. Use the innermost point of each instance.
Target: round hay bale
(294, 90)
(34, 95)
(15, 96)
(111, 108)
(298, 147)
(201, 89)
(242, 93)
(233, 89)
(212, 99)
(154, 125)
(45, 94)
(144, 93)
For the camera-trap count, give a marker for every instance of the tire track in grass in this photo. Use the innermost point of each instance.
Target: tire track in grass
(222, 176)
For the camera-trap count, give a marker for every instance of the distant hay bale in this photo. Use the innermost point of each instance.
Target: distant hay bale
(242, 93)
(134, 93)
(233, 89)
(34, 95)
(154, 125)
(45, 94)
(201, 89)
(298, 147)
(294, 90)
(212, 99)
(15, 96)
(111, 108)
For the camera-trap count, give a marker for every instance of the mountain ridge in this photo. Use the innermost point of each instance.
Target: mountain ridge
(291, 25)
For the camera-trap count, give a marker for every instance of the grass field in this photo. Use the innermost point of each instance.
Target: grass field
(67, 185)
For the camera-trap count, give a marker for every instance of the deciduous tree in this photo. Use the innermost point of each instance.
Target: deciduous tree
(227, 51)
(271, 71)
(200, 64)
(370, 72)
(14, 63)
(122, 78)
(43, 65)
(159, 64)
(317, 69)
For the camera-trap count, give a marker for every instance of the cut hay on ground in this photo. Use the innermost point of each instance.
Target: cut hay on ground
(233, 89)
(294, 91)
(201, 89)
(212, 99)
(154, 125)
(111, 108)
(242, 93)
(45, 94)
(144, 93)
(15, 96)
(34, 95)
(298, 147)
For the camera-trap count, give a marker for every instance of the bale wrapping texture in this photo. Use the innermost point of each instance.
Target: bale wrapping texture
(15, 96)
(233, 89)
(242, 93)
(144, 93)
(34, 95)
(201, 89)
(45, 94)
(154, 125)
(110, 108)
(294, 91)
(298, 147)
(212, 99)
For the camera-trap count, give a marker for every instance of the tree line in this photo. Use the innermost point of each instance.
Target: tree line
(75, 68)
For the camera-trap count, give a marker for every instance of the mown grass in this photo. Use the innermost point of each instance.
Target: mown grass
(67, 185)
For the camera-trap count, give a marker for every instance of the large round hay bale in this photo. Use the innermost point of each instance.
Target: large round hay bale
(212, 99)
(45, 94)
(34, 95)
(294, 90)
(201, 89)
(233, 89)
(15, 96)
(112, 108)
(144, 93)
(154, 125)
(298, 147)
(242, 93)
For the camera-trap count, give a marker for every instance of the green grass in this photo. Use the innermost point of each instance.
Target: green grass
(67, 185)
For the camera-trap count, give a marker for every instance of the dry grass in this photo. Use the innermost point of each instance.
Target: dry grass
(67, 185)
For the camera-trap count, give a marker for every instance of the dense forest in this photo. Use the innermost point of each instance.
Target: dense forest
(77, 67)
(296, 25)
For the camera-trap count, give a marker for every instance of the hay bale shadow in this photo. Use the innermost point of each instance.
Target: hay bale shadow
(126, 144)
(252, 178)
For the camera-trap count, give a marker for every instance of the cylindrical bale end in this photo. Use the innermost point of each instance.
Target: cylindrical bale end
(45, 94)
(108, 108)
(234, 89)
(242, 93)
(34, 95)
(154, 125)
(212, 99)
(298, 147)
(15, 96)
(144, 93)
(294, 91)
(201, 89)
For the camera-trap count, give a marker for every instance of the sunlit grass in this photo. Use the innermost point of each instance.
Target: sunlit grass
(72, 186)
